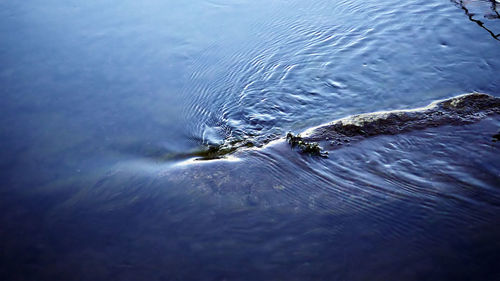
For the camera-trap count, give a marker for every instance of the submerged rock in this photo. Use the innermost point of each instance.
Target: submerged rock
(463, 109)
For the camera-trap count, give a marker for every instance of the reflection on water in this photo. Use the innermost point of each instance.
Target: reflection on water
(480, 10)
(96, 96)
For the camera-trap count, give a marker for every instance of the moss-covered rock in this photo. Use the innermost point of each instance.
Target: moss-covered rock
(463, 109)
(311, 148)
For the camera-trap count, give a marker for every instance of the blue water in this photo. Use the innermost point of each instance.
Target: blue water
(96, 95)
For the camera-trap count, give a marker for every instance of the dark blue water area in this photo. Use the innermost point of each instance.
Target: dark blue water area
(419, 206)
(96, 94)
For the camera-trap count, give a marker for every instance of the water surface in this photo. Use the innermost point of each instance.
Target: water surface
(96, 94)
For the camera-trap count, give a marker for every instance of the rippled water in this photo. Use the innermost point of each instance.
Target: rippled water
(104, 104)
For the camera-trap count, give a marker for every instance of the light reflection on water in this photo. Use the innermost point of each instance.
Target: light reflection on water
(94, 91)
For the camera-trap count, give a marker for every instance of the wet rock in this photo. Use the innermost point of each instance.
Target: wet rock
(463, 109)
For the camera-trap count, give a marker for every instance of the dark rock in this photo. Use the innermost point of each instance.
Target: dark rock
(463, 109)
